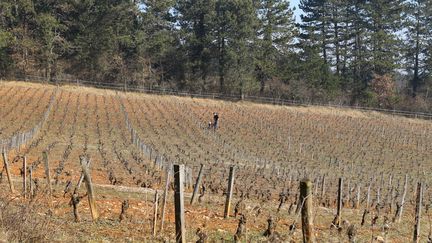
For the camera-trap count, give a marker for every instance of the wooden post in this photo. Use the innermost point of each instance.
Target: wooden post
(197, 185)
(47, 171)
(306, 212)
(25, 177)
(348, 196)
(229, 192)
(155, 212)
(168, 175)
(337, 220)
(179, 204)
(82, 175)
(31, 181)
(323, 184)
(416, 237)
(368, 196)
(190, 178)
(403, 199)
(8, 172)
(357, 203)
(90, 192)
(378, 195)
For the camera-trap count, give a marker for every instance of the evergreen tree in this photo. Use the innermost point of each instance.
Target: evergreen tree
(159, 35)
(317, 41)
(50, 37)
(315, 25)
(418, 39)
(358, 41)
(196, 19)
(384, 22)
(277, 31)
(236, 46)
(103, 39)
(23, 25)
(235, 28)
(6, 37)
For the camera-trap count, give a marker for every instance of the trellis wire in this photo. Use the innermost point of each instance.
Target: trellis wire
(21, 138)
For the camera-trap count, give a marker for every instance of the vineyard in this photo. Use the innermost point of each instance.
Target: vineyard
(370, 172)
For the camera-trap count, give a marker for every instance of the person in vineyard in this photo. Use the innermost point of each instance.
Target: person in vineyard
(215, 120)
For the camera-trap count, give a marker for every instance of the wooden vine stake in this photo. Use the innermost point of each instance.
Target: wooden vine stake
(197, 185)
(47, 171)
(179, 204)
(82, 175)
(31, 181)
(323, 184)
(90, 192)
(368, 197)
(306, 211)
(156, 200)
(25, 177)
(167, 182)
(403, 199)
(357, 203)
(229, 192)
(416, 237)
(8, 172)
(337, 219)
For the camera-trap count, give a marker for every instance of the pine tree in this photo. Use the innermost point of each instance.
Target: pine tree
(318, 36)
(384, 20)
(196, 18)
(23, 25)
(315, 25)
(359, 67)
(103, 39)
(234, 31)
(276, 33)
(418, 37)
(6, 37)
(159, 30)
(50, 36)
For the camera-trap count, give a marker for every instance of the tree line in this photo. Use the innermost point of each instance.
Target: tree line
(374, 52)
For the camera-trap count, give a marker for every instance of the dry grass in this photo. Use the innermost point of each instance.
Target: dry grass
(25, 221)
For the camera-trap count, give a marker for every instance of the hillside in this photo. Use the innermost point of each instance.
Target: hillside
(131, 139)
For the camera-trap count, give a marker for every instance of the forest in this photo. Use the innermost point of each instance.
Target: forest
(360, 52)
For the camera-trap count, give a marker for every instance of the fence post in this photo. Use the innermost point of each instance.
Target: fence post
(323, 184)
(306, 212)
(368, 196)
(403, 199)
(416, 237)
(47, 171)
(8, 172)
(31, 181)
(337, 220)
(168, 175)
(25, 177)
(82, 175)
(229, 192)
(357, 203)
(197, 184)
(156, 200)
(90, 192)
(179, 204)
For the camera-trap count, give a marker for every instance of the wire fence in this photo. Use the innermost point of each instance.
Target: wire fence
(230, 97)
(161, 161)
(21, 138)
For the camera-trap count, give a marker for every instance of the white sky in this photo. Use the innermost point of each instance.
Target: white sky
(297, 12)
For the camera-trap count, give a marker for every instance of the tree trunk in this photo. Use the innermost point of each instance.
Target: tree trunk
(416, 78)
(222, 65)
